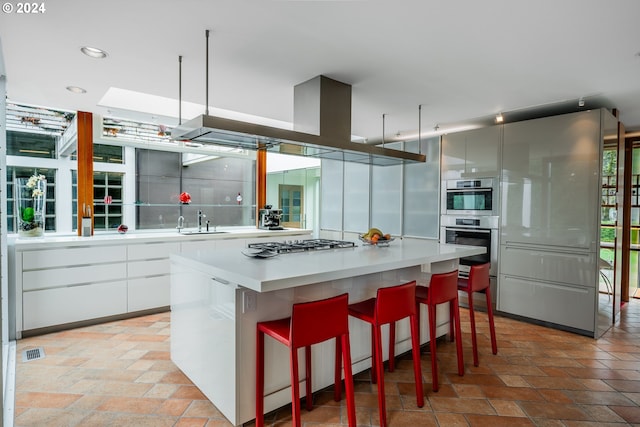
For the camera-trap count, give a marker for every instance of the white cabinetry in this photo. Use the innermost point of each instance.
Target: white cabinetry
(65, 285)
(331, 190)
(550, 216)
(473, 153)
(386, 197)
(421, 191)
(148, 275)
(356, 197)
(59, 282)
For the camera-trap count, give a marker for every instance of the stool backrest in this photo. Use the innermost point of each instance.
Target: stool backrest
(479, 277)
(317, 321)
(396, 302)
(443, 287)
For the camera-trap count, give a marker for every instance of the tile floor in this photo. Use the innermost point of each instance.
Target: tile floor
(120, 374)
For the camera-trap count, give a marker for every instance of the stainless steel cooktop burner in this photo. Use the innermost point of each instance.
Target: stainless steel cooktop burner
(288, 246)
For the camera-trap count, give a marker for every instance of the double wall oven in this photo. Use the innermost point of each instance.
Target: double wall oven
(470, 217)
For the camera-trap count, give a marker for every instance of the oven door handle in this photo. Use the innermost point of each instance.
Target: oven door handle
(468, 189)
(476, 230)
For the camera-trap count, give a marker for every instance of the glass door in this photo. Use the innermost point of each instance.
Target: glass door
(291, 203)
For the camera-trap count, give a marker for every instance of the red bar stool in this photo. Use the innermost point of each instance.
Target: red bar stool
(443, 287)
(390, 305)
(479, 282)
(310, 323)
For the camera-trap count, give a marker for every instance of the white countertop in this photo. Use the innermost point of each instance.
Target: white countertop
(143, 236)
(296, 269)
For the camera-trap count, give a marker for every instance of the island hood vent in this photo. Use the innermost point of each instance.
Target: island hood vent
(322, 129)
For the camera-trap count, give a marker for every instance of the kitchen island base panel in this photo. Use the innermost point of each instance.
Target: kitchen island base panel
(213, 335)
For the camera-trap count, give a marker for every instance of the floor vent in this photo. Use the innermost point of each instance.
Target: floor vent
(32, 354)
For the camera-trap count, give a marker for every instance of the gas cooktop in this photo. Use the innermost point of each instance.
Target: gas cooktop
(288, 246)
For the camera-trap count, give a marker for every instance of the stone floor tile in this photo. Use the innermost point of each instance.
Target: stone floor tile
(554, 411)
(498, 421)
(461, 406)
(507, 408)
(630, 414)
(45, 400)
(451, 420)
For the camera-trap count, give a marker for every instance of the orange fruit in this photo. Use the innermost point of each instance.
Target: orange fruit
(387, 236)
(375, 238)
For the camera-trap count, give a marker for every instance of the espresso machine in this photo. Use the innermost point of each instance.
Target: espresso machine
(270, 218)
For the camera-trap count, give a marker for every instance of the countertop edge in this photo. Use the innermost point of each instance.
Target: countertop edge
(49, 242)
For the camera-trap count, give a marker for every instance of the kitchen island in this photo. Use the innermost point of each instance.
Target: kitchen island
(218, 296)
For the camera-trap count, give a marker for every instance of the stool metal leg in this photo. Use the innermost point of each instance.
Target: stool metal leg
(260, 379)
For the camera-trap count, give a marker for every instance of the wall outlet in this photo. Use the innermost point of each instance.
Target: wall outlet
(249, 301)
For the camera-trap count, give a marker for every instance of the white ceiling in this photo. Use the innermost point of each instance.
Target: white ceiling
(462, 60)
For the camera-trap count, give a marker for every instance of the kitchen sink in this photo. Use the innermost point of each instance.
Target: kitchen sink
(191, 233)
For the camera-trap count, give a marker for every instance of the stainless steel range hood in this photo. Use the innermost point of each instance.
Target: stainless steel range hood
(322, 128)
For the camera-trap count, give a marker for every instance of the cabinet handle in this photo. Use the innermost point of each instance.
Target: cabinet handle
(216, 279)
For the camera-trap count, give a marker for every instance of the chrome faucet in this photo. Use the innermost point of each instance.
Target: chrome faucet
(180, 223)
(200, 216)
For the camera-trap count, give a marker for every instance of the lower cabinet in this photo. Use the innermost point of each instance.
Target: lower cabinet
(561, 304)
(554, 286)
(147, 293)
(62, 283)
(148, 275)
(58, 306)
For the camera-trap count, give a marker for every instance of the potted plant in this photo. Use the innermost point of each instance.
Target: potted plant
(30, 199)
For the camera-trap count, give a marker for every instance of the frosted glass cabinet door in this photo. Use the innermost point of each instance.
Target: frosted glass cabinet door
(356, 197)
(386, 196)
(331, 194)
(550, 181)
(421, 191)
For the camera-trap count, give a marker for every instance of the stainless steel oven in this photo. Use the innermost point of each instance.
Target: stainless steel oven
(470, 197)
(473, 231)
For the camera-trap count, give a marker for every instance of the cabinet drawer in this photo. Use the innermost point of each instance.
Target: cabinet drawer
(63, 305)
(152, 250)
(72, 256)
(55, 277)
(148, 292)
(565, 305)
(572, 268)
(148, 268)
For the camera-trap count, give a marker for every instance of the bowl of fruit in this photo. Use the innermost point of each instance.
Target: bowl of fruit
(376, 237)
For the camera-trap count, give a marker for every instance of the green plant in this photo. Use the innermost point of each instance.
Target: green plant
(28, 214)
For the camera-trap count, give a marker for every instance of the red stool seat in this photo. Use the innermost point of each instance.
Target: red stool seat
(443, 287)
(310, 323)
(479, 282)
(390, 305)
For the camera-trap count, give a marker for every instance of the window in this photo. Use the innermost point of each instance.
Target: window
(105, 154)
(31, 145)
(107, 199)
(14, 172)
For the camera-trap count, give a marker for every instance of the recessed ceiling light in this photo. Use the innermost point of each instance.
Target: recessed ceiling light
(93, 52)
(76, 89)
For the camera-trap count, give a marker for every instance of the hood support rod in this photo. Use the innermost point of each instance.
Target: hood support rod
(206, 103)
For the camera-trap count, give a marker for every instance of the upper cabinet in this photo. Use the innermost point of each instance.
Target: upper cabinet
(551, 181)
(386, 196)
(421, 192)
(331, 189)
(473, 153)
